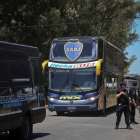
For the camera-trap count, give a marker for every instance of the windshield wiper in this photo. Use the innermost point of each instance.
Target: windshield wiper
(75, 84)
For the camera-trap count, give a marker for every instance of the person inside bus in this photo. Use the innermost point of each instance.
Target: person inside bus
(132, 93)
(89, 82)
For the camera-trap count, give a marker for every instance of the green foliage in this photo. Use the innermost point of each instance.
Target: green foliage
(128, 63)
(36, 23)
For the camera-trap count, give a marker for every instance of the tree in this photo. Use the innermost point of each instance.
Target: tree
(36, 23)
(128, 63)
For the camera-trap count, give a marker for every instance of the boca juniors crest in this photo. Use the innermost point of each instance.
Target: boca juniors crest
(73, 50)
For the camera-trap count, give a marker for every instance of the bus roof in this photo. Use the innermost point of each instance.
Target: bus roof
(14, 44)
(77, 38)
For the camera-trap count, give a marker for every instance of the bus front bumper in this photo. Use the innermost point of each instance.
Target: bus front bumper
(67, 108)
(73, 105)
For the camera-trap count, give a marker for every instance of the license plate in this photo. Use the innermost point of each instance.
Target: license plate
(71, 108)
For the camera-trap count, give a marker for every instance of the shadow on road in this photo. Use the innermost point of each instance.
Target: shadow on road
(4, 137)
(32, 137)
(109, 111)
(123, 128)
(38, 135)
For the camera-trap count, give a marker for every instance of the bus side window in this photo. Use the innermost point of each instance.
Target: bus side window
(109, 82)
(105, 82)
(100, 49)
(115, 83)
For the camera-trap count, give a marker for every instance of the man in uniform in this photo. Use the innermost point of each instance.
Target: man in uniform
(122, 106)
(132, 94)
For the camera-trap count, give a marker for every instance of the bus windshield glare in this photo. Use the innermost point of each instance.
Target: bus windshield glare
(78, 80)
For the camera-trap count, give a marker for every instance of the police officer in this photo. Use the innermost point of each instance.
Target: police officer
(122, 105)
(132, 94)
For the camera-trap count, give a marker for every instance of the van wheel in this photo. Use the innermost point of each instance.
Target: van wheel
(60, 113)
(23, 132)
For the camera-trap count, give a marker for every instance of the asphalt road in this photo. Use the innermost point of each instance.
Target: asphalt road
(83, 126)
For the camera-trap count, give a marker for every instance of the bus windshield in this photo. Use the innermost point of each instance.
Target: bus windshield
(77, 80)
(89, 51)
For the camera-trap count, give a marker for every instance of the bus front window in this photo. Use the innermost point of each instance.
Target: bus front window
(84, 79)
(78, 80)
(59, 80)
(89, 51)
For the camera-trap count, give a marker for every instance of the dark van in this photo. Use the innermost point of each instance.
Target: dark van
(21, 89)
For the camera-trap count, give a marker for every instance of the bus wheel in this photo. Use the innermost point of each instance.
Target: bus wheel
(23, 132)
(60, 113)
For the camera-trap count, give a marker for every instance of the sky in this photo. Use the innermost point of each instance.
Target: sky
(135, 49)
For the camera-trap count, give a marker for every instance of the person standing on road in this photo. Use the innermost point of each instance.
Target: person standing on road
(122, 105)
(132, 94)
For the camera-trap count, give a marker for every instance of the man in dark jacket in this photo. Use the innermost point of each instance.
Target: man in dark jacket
(132, 94)
(122, 105)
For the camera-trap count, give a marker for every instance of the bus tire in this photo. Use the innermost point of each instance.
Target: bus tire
(60, 113)
(104, 106)
(23, 132)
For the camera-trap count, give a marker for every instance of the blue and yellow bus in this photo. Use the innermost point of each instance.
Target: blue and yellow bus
(83, 74)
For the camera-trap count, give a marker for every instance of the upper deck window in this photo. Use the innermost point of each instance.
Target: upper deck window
(73, 51)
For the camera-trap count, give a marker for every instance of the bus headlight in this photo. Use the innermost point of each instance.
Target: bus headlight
(94, 98)
(51, 99)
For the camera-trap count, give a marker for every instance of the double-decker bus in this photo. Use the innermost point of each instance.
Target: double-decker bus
(83, 74)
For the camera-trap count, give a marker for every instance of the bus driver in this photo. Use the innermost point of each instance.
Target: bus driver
(89, 82)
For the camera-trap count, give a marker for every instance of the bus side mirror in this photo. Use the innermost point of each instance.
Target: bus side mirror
(98, 67)
(44, 64)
